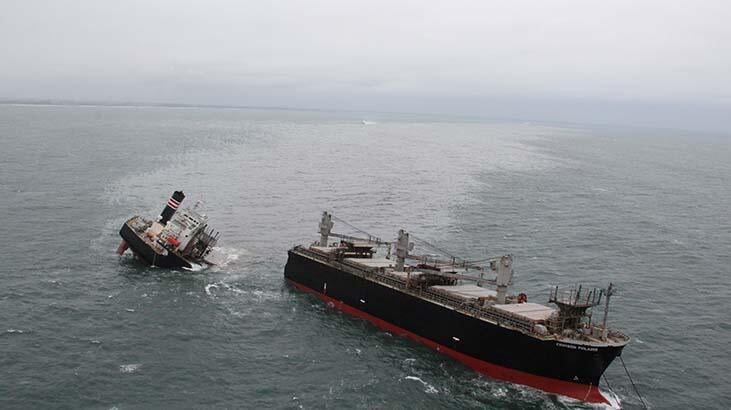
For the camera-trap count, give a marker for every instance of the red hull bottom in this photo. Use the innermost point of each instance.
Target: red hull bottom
(577, 391)
(122, 248)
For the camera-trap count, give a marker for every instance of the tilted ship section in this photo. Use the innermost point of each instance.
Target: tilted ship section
(177, 239)
(464, 310)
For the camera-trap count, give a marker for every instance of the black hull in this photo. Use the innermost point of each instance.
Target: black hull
(503, 353)
(146, 253)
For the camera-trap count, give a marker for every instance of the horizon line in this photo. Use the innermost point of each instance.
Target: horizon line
(60, 102)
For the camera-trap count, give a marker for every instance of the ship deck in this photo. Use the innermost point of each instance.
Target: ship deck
(468, 299)
(138, 225)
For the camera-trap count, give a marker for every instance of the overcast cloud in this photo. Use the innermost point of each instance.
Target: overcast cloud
(638, 63)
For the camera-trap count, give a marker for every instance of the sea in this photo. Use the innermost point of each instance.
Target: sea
(83, 328)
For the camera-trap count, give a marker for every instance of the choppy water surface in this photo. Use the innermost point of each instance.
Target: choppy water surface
(82, 328)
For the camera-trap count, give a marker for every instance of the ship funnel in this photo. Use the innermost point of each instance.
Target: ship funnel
(171, 207)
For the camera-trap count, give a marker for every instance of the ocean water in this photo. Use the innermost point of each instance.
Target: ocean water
(81, 327)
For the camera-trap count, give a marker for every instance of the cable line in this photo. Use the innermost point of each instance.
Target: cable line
(644, 405)
(434, 247)
(356, 228)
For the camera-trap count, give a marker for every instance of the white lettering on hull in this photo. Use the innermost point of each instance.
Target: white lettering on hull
(577, 347)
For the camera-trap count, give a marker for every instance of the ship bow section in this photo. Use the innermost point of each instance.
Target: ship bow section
(501, 352)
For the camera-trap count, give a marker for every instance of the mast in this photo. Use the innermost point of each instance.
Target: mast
(609, 293)
(402, 249)
(326, 225)
(504, 277)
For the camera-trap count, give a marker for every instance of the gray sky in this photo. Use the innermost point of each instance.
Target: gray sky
(632, 62)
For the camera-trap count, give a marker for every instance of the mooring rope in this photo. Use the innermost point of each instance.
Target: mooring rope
(608, 385)
(644, 405)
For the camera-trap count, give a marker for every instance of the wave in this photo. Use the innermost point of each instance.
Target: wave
(428, 387)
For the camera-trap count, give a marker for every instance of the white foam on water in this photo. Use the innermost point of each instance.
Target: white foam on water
(195, 267)
(255, 295)
(429, 388)
(499, 391)
(354, 350)
(521, 393)
(231, 254)
(129, 368)
(222, 257)
(260, 295)
(18, 331)
(614, 401)
(211, 286)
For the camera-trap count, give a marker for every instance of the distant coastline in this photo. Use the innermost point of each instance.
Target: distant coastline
(132, 104)
(430, 116)
(94, 103)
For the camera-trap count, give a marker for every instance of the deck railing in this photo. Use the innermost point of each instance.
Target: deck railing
(486, 313)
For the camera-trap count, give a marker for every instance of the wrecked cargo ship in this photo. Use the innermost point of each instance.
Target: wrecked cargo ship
(464, 310)
(176, 239)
